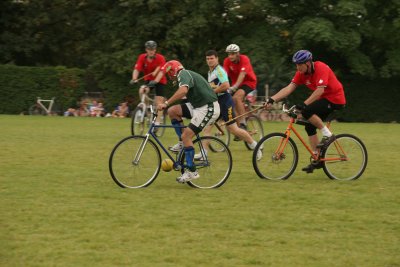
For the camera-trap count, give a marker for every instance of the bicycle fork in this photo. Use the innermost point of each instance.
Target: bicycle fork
(140, 151)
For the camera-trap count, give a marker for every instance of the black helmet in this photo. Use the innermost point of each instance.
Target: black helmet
(150, 44)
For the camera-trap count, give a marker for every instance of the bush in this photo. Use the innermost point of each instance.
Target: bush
(19, 87)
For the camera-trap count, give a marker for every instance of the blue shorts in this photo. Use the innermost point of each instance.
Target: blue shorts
(226, 106)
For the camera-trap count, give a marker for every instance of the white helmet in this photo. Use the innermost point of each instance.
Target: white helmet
(232, 48)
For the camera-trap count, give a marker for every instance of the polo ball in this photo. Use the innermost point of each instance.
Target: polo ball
(167, 165)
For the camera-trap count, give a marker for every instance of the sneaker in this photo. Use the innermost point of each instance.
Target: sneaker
(326, 141)
(241, 126)
(187, 176)
(259, 154)
(199, 156)
(314, 165)
(177, 147)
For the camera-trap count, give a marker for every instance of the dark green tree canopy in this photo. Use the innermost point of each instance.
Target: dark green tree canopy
(354, 37)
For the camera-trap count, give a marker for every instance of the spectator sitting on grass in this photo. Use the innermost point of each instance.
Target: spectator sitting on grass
(121, 111)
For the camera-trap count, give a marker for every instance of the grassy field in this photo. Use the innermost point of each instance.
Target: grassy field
(60, 207)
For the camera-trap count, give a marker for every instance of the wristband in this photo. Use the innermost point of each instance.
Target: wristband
(270, 100)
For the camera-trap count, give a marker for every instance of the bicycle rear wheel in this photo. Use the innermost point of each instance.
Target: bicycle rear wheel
(280, 157)
(215, 166)
(255, 129)
(350, 158)
(138, 121)
(135, 162)
(37, 110)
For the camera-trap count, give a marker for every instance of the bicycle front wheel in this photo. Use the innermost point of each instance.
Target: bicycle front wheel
(36, 110)
(135, 162)
(254, 128)
(215, 166)
(222, 133)
(279, 159)
(346, 158)
(138, 121)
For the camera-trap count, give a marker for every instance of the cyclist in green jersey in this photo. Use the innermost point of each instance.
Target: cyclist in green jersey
(201, 107)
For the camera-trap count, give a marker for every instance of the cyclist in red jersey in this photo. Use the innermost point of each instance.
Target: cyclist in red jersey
(150, 63)
(327, 96)
(242, 77)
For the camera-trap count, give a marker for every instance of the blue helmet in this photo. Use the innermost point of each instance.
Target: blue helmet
(302, 56)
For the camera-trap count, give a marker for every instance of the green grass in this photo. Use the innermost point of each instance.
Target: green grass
(60, 207)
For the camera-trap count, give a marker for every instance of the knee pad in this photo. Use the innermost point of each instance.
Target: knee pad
(311, 129)
(306, 114)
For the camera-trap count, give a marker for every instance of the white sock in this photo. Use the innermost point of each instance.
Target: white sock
(253, 145)
(325, 132)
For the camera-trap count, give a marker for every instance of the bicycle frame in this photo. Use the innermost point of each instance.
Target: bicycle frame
(316, 157)
(177, 165)
(145, 98)
(50, 101)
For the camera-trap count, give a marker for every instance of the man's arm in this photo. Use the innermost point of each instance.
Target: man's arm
(155, 72)
(239, 80)
(135, 74)
(315, 95)
(179, 94)
(223, 87)
(284, 92)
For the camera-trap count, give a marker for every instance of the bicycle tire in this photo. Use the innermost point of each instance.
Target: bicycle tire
(215, 169)
(345, 146)
(224, 136)
(272, 166)
(254, 128)
(36, 110)
(130, 174)
(138, 121)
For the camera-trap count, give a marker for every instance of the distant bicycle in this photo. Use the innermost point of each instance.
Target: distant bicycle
(345, 158)
(43, 107)
(142, 116)
(135, 161)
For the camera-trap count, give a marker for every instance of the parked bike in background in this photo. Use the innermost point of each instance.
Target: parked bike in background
(44, 107)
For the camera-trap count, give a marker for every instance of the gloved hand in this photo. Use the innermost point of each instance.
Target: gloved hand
(152, 84)
(269, 101)
(231, 89)
(131, 82)
(301, 106)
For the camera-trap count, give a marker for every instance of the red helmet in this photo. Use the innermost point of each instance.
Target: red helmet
(172, 68)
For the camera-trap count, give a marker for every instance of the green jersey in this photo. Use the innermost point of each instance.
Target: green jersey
(200, 92)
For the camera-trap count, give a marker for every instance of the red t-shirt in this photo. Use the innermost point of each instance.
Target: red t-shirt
(145, 65)
(233, 70)
(322, 76)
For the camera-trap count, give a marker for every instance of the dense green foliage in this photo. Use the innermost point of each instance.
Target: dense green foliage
(104, 37)
(21, 85)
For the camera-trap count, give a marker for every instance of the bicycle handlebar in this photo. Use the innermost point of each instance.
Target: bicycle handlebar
(292, 111)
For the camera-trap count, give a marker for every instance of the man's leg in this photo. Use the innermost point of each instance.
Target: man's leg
(191, 172)
(175, 113)
(239, 105)
(159, 100)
